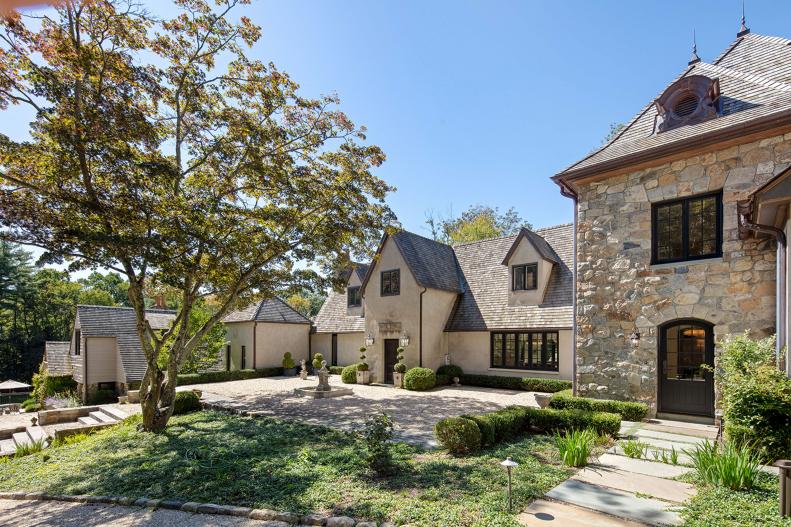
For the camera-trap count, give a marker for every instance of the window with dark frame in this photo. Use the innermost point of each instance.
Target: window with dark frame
(687, 229)
(353, 297)
(524, 277)
(391, 282)
(527, 350)
(77, 342)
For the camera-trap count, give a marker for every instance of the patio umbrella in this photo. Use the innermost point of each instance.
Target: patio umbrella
(14, 386)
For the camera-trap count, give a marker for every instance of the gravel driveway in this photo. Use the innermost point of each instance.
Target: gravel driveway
(415, 413)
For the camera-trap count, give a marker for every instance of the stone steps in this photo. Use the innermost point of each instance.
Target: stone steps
(7, 447)
(683, 459)
(543, 513)
(641, 466)
(615, 503)
(21, 438)
(102, 417)
(115, 413)
(659, 488)
(88, 421)
(684, 440)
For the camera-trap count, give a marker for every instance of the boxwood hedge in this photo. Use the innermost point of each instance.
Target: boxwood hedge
(224, 376)
(530, 384)
(629, 411)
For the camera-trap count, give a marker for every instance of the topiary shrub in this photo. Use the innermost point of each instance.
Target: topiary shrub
(362, 366)
(630, 411)
(399, 367)
(451, 370)
(443, 380)
(185, 402)
(486, 427)
(349, 374)
(288, 361)
(317, 360)
(420, 379)
(458, 435)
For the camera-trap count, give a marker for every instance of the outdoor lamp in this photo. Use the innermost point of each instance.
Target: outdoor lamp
(509, 464)
(635, 338)
(369, 340)
(404, 341)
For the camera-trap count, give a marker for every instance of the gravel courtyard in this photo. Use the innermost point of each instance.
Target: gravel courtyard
(415, 413)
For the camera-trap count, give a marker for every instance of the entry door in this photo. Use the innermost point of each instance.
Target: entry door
(391, 347)
(685, 387)
(334, 358)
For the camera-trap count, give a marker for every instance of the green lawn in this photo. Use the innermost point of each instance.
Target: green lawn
(270, 463)
(721, 507)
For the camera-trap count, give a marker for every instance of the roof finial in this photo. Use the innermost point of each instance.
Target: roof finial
(743, 30)
(694, 59)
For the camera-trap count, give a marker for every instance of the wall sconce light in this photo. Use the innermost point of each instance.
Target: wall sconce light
(404, 340)
(369, 340)
(635, 338)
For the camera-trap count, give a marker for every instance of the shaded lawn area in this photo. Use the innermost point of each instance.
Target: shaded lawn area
(715, 506)
(270, 463)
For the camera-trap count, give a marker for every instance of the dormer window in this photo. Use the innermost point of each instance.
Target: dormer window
(689, 100)
(353, 297)
(524, 277)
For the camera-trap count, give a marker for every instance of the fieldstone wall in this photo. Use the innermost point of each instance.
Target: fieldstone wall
(619, 291)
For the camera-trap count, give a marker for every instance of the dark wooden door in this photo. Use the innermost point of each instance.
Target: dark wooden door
(391, 354)
(685, 386)
(334, 358)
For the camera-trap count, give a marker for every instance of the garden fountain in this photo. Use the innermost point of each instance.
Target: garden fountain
(323, 390)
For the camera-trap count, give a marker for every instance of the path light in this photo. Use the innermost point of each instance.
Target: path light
(509, 464)
(369, 340)
(635, 338)
(404, 341)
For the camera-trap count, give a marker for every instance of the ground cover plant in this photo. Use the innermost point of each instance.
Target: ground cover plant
(285, 465)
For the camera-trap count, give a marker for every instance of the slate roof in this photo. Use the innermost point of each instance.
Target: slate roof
(754, 75)
(332, 317)
(57, 356)
(121, 323)
(268, 310)
(484, 304)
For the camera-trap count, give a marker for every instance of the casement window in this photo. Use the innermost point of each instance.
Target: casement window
(244, 353)
(77, 342)
(524, 277)
(533, 350)
(391, 282)
(686, 229)
(353, 297)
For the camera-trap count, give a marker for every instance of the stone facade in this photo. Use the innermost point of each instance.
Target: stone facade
(619, 291)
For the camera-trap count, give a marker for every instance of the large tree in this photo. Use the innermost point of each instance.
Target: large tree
(478, 222)
(161, 151)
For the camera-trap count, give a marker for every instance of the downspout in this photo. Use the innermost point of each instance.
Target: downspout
(255, 327)
(420, 330)
(780, 237)
(569, 193)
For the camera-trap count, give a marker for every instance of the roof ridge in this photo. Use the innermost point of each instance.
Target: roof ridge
(148, 309)
(421, 236)
(551, 227)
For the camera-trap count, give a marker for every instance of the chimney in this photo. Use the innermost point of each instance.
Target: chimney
(160, 302)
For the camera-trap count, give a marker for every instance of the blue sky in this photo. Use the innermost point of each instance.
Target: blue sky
(482, 101)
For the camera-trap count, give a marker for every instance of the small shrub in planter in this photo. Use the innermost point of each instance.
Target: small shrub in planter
(451, 370)
(420, 379)
(186, 402)
(399, 369)
(349, 374)
(289, 366)
(317, 360)
(458, 435)
(363, 375)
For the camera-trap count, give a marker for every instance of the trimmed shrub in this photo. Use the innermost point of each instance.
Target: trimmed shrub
(529, 384)
(207, 377)
(420, 379)
(335, 370)
(362, 366)
(103, 397)
(629, 411)
(288, 361)
(486, 426)
(458, 435)
(451, 370)
(551, 420)
(510, 422)
(349, 374)
(317, 358)
(185, 402)
(443, 380)
(399, 367)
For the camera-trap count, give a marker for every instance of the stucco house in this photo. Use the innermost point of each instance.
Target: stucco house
(680, 222)
(104, 352)
(501, 306)
(260, 334)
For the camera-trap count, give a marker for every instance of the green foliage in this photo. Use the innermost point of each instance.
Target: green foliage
(377, 433)
(458, 435)
(756, 396)
(306, 302)
(399, 367)
(46, 385)
(70, 439)
(420, 379)
(575, 446)
(629, 411)
(224, 376)
(349, 374)
(479, 222)
(362, 366)
(550, 420)
(335, 370)
(103, 397)
(443, 380)
(451, 370)
(209, 346)
(30, 405)
(516, 383)
(634, 448)
(485, 424)
(288, 361)
(731, 466)
(29, 448)
(186, 402)
(317, 360)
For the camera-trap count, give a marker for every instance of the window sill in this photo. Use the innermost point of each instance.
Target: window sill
(541, 372)
(685, 263)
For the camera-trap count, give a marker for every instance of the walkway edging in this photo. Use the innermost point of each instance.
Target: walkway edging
(273, 518)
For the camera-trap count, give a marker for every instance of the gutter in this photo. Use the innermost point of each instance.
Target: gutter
(568, 192)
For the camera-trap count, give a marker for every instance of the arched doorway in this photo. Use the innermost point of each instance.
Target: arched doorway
(685, 386)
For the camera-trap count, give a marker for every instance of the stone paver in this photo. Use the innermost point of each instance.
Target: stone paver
(683, 458)
(615, 502)
(687, 440)
(415, 413)
(542, 513)
(641, 466)
(679, 427)
(660, 488)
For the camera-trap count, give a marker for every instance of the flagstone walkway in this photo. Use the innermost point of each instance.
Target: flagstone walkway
(619, 491)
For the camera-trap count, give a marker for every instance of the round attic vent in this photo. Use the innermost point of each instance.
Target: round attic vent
(686, 105)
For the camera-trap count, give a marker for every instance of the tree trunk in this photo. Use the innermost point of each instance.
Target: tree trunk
(156, 400)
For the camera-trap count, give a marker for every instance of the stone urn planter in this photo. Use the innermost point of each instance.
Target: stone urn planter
(363, 377)
(543, 399)
(398, 379)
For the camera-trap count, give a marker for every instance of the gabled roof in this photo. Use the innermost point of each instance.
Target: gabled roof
(544, 249)
(57, 356)
(121, 323)
(333, 317)
(484, 304)
(360, 269)
(754, 75)
(268, 310)
(433, 264)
